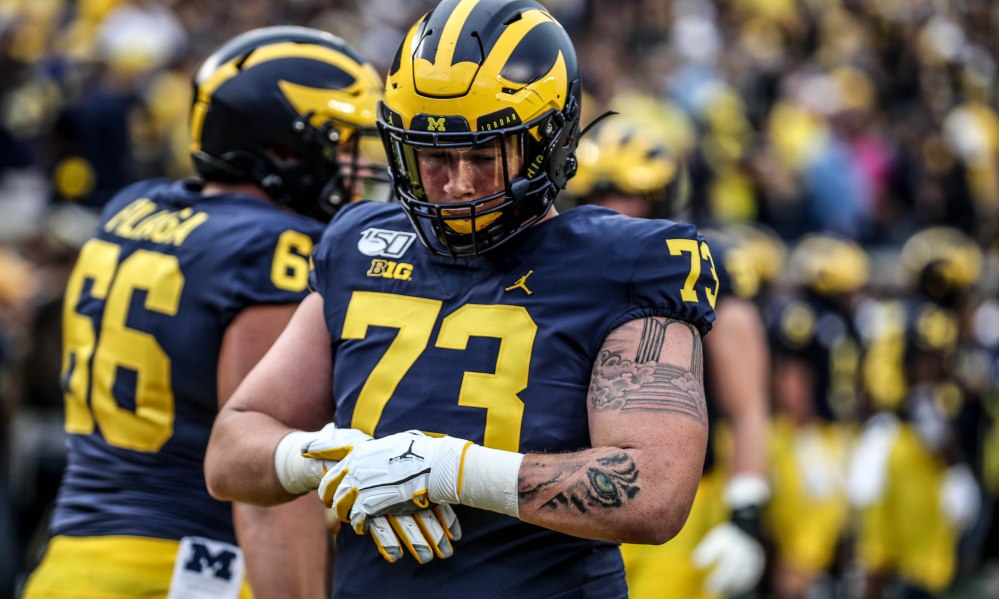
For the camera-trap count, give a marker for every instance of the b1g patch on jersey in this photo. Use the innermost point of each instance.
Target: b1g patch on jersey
(388, 269)
(383, 242)
(207, 569)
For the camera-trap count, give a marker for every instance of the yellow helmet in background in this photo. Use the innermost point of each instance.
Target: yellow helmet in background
(284, 107)
(764, 247)
(941, 262)
(828, 265)
(622, 157)
(659, 117)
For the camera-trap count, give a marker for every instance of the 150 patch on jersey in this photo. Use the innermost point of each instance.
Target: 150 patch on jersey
(383, 242)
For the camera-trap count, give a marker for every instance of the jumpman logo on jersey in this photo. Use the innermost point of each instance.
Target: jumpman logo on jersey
(521, 284)
(409, 454)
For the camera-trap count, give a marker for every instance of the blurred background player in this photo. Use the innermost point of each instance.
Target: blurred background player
(180, 292)
(626, 167)
(911, 475)
(816, 369)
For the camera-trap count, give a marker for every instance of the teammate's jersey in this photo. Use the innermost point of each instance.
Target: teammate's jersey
(808, 329)
(499, 351)
(146, 309)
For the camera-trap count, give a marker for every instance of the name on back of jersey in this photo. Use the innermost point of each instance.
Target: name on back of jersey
(142, 220)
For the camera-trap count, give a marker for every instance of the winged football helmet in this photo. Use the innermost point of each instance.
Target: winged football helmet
(493, 76)
(289, 109)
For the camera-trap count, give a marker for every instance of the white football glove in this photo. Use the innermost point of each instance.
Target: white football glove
(301, 460)
(410, 471)
(732, 550)
(299, 473)
(392, 475)
(735, 558)
(927, 420)
(424, 534)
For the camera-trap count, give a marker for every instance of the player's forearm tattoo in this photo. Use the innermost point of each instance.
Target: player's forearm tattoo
(605, 482)
(647, 384)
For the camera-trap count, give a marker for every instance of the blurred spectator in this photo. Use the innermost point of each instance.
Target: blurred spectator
(910, 477)
(817, 395)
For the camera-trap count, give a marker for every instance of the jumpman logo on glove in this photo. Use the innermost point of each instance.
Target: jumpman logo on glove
(409, 454)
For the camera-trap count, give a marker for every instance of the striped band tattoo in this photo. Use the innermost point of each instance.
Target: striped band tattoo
(647, 385)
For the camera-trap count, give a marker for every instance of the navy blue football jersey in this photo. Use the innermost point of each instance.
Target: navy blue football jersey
(499, 351)
(146, 308)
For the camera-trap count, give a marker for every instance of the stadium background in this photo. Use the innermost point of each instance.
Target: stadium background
(868, 118)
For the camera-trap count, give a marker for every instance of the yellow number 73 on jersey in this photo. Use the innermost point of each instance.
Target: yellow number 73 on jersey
(415, 317)
(698, 251)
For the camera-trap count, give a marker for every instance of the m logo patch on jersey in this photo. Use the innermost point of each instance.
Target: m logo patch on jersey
(383, 242)
(205, 567)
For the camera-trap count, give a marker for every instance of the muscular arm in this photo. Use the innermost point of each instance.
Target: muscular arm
(239, 463)
(285, 546)
(738, 354)
(648, 429)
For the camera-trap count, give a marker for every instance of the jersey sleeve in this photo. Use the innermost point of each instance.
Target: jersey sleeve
(275, 264)
(674, 276)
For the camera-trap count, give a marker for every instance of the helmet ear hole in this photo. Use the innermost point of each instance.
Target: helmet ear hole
(271, 183)
(281, 155)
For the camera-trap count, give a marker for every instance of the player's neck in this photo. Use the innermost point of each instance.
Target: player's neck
(213, 188)
(552, 213)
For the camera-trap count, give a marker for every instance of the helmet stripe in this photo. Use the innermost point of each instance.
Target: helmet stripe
(512, 37)
(344, 106)
(452, 30)
(206, 89)
(480, 22)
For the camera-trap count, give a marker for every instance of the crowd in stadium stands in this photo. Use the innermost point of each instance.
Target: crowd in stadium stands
(863, 121)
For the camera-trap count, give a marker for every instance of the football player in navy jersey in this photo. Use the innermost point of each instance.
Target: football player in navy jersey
(539, 372)
(182, 289)
(625, 167)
